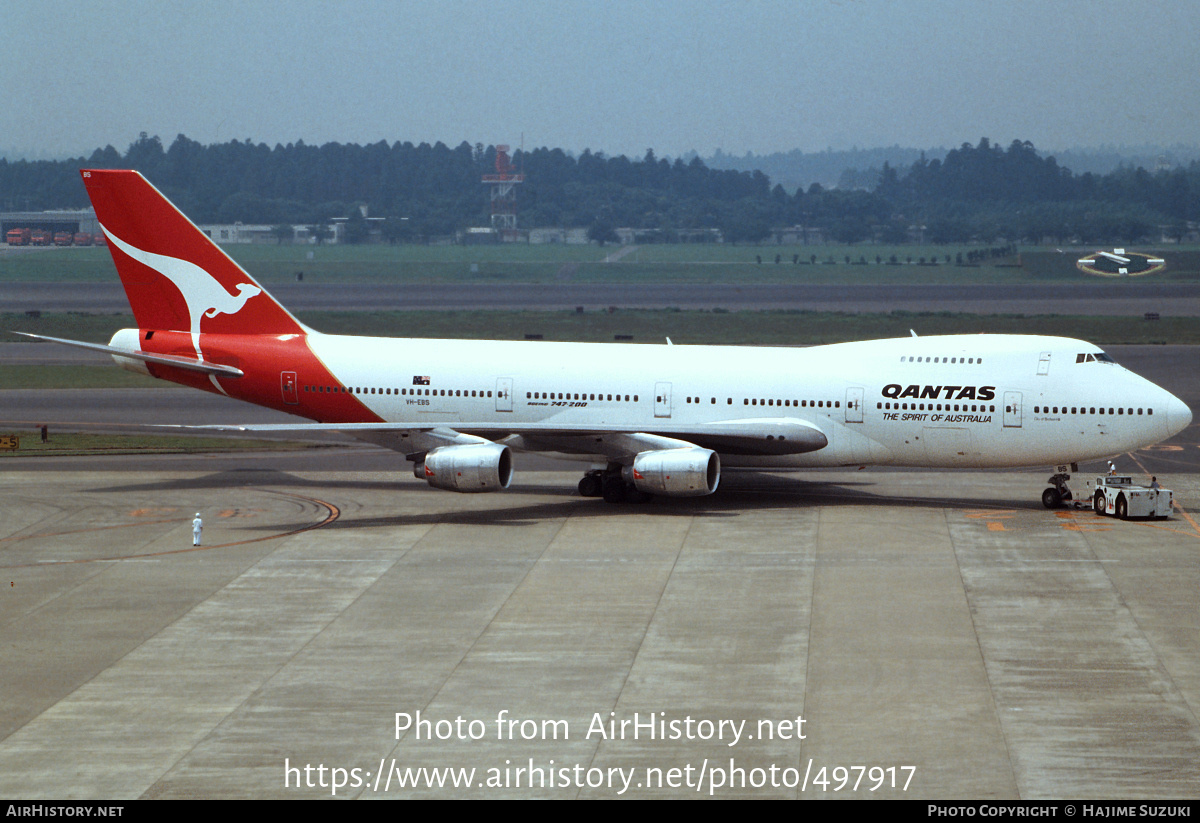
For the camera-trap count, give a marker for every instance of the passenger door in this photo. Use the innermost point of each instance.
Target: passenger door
(1012, 409)
(854, 410)
(662, 399)
(287, 384)
(504, 401)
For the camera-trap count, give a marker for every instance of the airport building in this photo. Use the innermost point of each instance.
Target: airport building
(238, 233)
(60, 220)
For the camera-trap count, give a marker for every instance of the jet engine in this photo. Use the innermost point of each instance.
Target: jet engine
(477, 467)
(675, 472)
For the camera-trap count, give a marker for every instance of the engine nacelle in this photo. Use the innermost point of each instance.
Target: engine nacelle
(477, 467)
(675, 472)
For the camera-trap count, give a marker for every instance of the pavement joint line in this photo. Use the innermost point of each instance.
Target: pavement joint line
(482, 631)
(642, 640)
(1009, 756)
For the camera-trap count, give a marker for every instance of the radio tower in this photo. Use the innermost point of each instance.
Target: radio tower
(504, 194)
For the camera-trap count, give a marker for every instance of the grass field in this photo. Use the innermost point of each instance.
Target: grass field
(73, 377)
(519, 263)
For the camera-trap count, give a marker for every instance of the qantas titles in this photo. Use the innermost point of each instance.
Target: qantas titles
(896, 391)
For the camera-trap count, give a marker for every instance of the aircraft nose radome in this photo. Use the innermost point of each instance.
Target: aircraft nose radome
(1179, 416)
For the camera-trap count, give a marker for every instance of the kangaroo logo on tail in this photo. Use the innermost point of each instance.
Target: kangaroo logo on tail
(148, 234)
(201, 292)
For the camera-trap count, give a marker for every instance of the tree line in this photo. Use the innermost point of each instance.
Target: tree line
(975, 193)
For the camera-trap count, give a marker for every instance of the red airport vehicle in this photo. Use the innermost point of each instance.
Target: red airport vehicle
(64, 238)
(40, 237)
(18, 237)
(83, 238)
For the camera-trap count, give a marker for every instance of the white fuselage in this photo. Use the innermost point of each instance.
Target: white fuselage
(949, 401)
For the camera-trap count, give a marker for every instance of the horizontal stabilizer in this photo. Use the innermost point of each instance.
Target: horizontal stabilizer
(189, 363)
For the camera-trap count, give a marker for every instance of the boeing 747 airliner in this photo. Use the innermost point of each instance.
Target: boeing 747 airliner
(661, 419)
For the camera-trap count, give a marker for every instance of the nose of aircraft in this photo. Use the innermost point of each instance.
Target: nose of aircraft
(1179, 416)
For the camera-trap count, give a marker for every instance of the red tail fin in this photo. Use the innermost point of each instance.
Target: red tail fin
(176, 278)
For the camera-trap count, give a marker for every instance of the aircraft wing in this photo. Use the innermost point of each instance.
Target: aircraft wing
(761, 436)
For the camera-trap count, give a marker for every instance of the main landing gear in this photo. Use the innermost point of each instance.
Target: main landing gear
(609, 484)
(1059, 494)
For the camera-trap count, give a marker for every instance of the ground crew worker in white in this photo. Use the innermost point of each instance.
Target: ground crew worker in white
(197, 525)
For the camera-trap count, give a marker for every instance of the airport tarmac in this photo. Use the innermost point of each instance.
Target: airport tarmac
(941, 635)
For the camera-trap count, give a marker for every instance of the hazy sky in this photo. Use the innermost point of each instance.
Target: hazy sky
(617, 77)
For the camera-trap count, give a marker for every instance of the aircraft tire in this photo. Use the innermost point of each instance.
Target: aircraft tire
(614, 490)
(591, 486)
(1051, 499)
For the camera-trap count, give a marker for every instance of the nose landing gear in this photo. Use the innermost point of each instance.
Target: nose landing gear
(1059, 494)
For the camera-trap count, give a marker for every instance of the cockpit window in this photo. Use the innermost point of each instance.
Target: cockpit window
(1089, 357)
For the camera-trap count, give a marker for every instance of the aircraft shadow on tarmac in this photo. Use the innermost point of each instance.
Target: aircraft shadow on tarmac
(739, 493)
